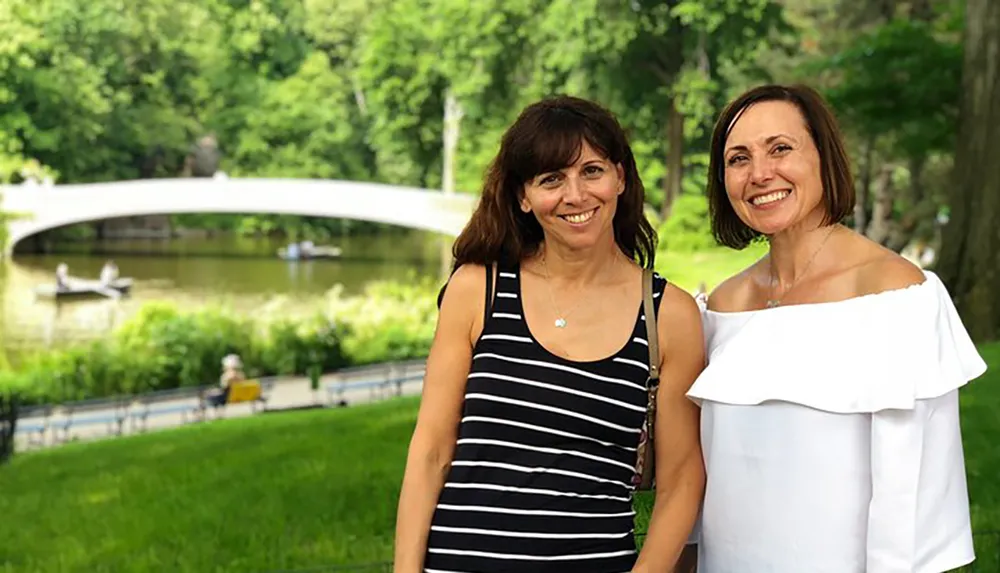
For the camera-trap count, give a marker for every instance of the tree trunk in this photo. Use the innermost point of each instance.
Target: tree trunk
(8, 425)
(917, 189)
(864, 187)
(970, 257)
(915, 209)
(881, 224)
(675, 157)
(452, 121)
(887, 9)
(921, 10)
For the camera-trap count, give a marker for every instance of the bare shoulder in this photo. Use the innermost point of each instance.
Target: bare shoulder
(679, 326)
(678, 307)
(886, 271)
(733, 293)
(464, 297)
(682, 343)
(467, 279)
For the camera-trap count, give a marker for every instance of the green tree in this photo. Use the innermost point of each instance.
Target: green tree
(970, 257)
(659, 63)
(900, 130)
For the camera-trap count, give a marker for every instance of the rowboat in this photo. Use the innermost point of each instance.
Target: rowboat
(78, 289)
(310, 253)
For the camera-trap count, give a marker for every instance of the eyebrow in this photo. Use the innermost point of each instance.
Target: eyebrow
(769, 140)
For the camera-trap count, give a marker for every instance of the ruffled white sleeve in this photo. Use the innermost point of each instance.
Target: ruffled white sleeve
(896, 452)
(919, 514)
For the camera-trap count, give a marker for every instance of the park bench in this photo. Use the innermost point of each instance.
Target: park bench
(186, 402)
(33, 421)
(111, 412)
(380, 380)
(257, 392)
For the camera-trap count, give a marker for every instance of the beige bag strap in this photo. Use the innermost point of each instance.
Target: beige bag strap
(651, 334)
(646, 461)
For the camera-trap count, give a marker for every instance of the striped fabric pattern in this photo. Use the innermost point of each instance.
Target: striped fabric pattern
(541, 478)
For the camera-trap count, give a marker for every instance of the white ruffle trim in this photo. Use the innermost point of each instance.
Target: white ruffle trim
(875, 352)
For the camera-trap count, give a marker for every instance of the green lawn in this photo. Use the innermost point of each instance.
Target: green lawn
(711, 266)
(283, 491)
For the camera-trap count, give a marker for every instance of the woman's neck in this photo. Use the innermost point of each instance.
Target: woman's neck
(794, 251)
(583, 266)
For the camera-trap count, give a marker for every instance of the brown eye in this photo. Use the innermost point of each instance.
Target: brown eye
(736, 159)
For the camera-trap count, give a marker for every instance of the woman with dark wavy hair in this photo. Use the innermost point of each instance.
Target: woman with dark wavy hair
(525, 451)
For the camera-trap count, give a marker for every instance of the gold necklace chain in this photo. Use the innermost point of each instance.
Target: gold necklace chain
(774, 302)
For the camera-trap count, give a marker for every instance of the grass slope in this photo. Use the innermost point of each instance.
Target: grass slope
(287, 491)
(278, 491)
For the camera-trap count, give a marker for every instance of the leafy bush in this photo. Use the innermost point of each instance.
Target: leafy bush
(688, 229)
(164, 347)
(390, 321)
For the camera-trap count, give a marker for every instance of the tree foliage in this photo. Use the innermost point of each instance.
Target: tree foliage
(356, 89)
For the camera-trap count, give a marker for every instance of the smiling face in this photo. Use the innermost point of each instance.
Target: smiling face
(772, 168)
(576, 205)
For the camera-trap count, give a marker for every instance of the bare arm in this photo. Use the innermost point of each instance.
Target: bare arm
(680, 472)
(433, 441)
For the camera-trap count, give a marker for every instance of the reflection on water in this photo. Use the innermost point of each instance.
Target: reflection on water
(241, 273)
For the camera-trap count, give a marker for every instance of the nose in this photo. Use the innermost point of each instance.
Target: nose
(573, 190)
(761, 171)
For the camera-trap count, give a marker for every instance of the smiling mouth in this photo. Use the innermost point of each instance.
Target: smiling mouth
(578, 218)
(768, 198)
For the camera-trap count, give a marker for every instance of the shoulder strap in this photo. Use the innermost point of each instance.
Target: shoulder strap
(645, 474)
(649, 309)
(489, 294)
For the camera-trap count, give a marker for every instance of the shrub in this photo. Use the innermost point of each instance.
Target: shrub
(163, 347)
(688, 229)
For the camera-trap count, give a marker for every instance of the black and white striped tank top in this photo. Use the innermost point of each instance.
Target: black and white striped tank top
(541, 478)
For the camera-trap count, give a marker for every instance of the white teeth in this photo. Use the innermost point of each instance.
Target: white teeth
(770, 197)
(580, 217)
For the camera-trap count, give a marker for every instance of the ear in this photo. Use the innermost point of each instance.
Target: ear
(621, 178)
(522, 201)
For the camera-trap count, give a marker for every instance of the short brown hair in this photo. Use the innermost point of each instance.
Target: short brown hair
(548, 135)
(835, 166)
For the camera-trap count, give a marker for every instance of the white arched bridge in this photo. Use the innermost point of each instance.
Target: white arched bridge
(41, 208)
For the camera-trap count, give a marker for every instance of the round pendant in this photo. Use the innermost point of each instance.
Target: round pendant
(560, 323)
(772, 303)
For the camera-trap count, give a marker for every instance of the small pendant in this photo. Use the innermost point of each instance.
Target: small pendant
(772, 303)
(560, 323)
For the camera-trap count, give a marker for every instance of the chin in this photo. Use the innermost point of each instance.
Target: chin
(770, 225)
(581, 243)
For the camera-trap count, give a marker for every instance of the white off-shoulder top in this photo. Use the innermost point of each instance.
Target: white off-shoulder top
(831, 436)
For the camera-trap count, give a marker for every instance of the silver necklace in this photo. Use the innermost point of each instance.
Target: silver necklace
(560, 321)
(774, 302)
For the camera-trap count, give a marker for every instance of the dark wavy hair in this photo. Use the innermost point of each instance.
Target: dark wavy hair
(835, 164)
(548, 136)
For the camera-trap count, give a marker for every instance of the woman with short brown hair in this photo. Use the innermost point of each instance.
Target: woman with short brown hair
(830, 423)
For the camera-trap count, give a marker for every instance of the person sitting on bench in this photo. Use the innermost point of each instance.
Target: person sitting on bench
(232, 371)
